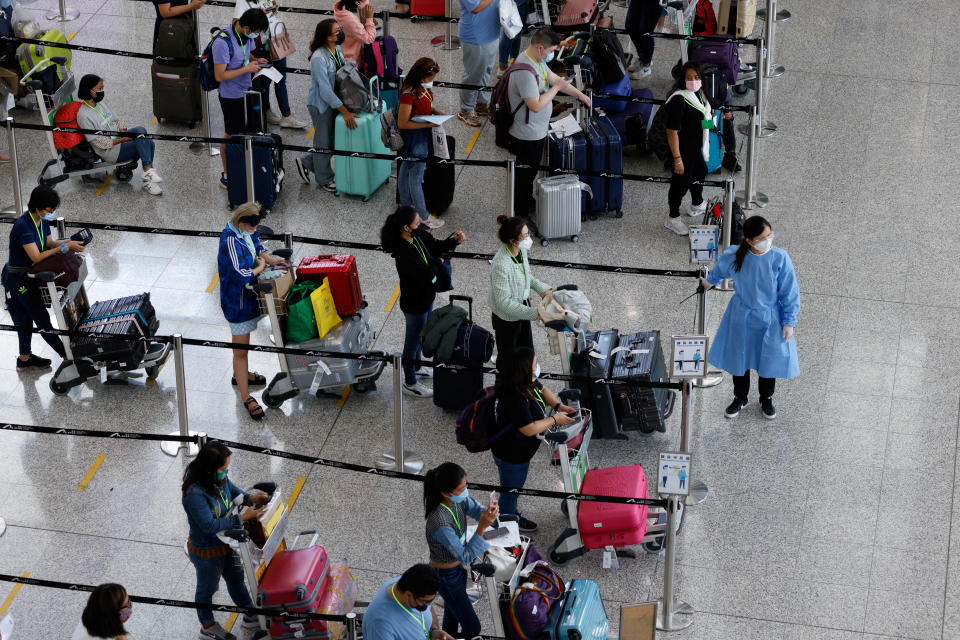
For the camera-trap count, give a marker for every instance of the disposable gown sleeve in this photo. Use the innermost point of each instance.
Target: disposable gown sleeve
(722, 270)
(788, 293)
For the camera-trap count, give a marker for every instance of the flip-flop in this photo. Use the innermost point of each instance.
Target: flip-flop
(258, 380)
(256, 411)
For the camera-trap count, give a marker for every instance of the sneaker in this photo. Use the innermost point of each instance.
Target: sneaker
(730, 163)
(695, 211)
(152, 188)
(223, 181)
(330, 186)
(469, 118)
(33, 362)
(482, 110)
(152, 175)
(289, 122)
(424, 372)
(216, 632)
(302, 170)
(527, 526)
(643, 72)
(250, 622)
(677, 225)
(734, 409)
(766, 407)
(273, 117)
(417, 390)
(432, 222)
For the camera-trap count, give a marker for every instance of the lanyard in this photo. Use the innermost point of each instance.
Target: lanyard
(423, 624)
(243, 46)
(429, 96)
(538, 66)
(43, 241)
(416, 245)
(103, 117)
(543, 403)
(226, 503)
(337, 58)
(456, 521)
(518, 263)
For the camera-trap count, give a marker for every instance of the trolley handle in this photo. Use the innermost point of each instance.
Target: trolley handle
(43, 276)
(468, 300)
(283, 252)
(313, 541)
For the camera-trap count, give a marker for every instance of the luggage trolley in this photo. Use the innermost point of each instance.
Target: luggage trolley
(499, 592)
(115, 361)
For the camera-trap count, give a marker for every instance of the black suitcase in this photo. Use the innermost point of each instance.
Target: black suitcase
(177, 37)
(253, 106)
(454, 389)
(120, 324)
(439, 181)
(176, 93)
(267, 172)
(598, 397)
(641, 408)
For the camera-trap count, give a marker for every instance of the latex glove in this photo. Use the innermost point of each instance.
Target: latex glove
(787, 333)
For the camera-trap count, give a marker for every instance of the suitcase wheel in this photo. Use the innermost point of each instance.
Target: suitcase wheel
(741, 89)
(59, 389)
(271, 401)
(364, 386)
(574, 238)
(654, 546)
(544, 242)
(557, 558)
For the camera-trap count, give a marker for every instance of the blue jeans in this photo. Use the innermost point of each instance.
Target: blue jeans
(209, 571)
(140, 148)
(459, 618)
(319, 163)
(510, 48)
(642, 17)
(410, 176)
(412, 345)
(513, 476)
(280, 88)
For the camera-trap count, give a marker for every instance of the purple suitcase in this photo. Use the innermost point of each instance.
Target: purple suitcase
(645, 109)
(725, 55)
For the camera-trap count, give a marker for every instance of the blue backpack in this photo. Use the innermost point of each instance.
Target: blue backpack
(205, 72)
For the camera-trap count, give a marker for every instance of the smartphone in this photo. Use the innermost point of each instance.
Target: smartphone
(490, 534)
(493, 498)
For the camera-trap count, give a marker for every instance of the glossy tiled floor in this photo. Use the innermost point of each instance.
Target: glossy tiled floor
(835, 521)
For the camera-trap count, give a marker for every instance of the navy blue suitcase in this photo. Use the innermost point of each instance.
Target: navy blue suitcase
(596, 161)
(645, 110)
(267, 172)
(455, 389)
(570, 153)
(613, 163)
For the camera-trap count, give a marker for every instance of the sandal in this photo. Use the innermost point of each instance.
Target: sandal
(256, 411)
(257, 380)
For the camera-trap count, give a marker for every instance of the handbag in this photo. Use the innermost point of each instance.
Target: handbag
(510, 18)
(65, 266)
(281, 45)
(504, 562)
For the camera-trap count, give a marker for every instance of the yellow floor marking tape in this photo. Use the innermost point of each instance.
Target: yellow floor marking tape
(344, 396)
(13, 594)
(70, 37)
(393, 298)
(297, 488)
(473, 141)
(154, 121)
(213, 283)
(104, 185)
(87, 478)
(232, 620)
(309, 134)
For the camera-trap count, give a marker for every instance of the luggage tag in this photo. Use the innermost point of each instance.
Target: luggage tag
(103, 375)
(708, 124)
(322, 370)
(610, 560)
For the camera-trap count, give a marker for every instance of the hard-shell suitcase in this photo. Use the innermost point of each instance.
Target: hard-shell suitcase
(613, 163)
(294, 581)
(454, 389)
(737, 17)
(30, 55)
(558, 213)
(361, 176)
(597, 397)
(715, 159)
(177, 37)
(573, 12)
(641, 359)
(579, 614)
(574, 152)
(176, 93)
(604, 524)
(634, 121)
(427, 7)
(380, 59)
(619, 88)
(120, 324)
(354, 334)
(341, 272)
(725, 55)
(596, 162)
(267, 172)
(253, 109)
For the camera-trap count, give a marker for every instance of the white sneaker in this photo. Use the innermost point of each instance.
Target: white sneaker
(432, 222)
(152, 188)
(289, 122)
(272, 117)
(643, 72)
(152, 175)
(677, 226)
(424, 372)
(417, 390)
(695, 211)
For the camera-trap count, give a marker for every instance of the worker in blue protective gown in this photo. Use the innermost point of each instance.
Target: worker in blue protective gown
(757, 330)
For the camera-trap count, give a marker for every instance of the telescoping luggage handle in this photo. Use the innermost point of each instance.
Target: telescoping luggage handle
(313, 541)
(469, 302)
(375, 80)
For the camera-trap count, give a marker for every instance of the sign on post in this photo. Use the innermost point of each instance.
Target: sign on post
(689, 356)
(673, 474)
(704, 243)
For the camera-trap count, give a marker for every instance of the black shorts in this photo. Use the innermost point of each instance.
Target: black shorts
(234, 115)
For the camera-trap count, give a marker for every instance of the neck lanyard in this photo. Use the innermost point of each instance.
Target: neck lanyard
(335, 54)
(456, 520)
(226, 503)
(416, 245)
(519, 263)
(43, 241)
(539, 398)
(428, 95)
(423, 624)
(243, 47)
(537, 66)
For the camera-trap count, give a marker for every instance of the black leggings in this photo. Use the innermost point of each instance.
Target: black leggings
(510, 335)
(741, 386)
(694, 170)
(27, 310)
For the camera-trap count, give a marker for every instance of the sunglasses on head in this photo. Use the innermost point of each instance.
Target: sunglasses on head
(433, 69)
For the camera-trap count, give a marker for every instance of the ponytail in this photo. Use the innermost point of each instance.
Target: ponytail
(752, 227)
(442, 479)
(393, 227)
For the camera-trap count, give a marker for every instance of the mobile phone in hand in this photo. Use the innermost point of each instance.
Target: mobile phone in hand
(493, 498)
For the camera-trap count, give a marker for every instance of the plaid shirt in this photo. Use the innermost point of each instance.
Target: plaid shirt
(509, 286)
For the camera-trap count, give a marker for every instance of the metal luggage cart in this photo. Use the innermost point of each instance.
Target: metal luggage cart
(499, 592)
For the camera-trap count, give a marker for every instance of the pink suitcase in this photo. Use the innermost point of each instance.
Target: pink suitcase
(295, 581)
(607, 523)
(574, 12)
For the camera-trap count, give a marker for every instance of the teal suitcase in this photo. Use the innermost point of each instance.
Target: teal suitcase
(361, 176)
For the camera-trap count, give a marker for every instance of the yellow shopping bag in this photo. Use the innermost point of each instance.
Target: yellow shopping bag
(324, 309)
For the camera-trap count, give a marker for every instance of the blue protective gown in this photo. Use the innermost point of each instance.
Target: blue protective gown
(767, 298)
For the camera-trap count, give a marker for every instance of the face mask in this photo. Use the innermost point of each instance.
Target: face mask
(536, 372)
(222, 475)
(251, 36)
(98, 96)
(50, 216)
(460, 498)
(694, 85)
(764, 245)
(341, 37)
(526, 243)
(125, 613)
(422, 607)
(427, 85)
(549, 58)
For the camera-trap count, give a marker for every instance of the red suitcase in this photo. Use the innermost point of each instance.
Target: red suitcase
(295, 581)
(341, 271)
(607, 523)
(427, 7)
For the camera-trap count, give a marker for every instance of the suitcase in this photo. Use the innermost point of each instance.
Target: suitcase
(597, 397)
(634, 121)
(354, 334)
(177, 37)
(453, 389)
(726, 55)
(641, 408)
(558, 210)
(295, 581)
(574, 12)
(380, 59)
(253, 108)
(361, 176)
(605, 524)
(579, 614)
(120, 325)
(716, 153)
(428, 7)
(30, 55)
(573, 152)
(176, 93)
(619, 88)
(613, 163)
(737, 17)
(267, 172)
(341, 271)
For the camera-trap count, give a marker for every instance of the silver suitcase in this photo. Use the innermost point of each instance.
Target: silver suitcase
(559, 201)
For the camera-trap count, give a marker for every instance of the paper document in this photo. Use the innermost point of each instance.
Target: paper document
(509, 539)
(566, 126)
(270, 72)
(431, 119)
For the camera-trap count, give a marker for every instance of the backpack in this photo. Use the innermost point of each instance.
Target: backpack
(66, 116)
(351, 87)
(477, 424)
(657, 135)
(501, 114)
(705, 19)
(609, 61)
(388, 125)
(714, 84)
(205, 71)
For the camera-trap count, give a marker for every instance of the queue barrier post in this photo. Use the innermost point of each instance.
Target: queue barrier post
(385, 21)
(698, 490)
(248, 165)
(781, 15)
(710, 378)
(668, 607)
(770, 70)
(511, 185)
(448, 41)
(750, 198)
(204, 102)
(351, 626)
(62, 13)
(173, 448)
(765, 128)
(729, 197)
(288, 240)
(399, 459)
(14, 169)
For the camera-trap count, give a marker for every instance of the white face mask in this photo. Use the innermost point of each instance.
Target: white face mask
(764, 245)
(427, 85)
(526, 243)
(536, 372)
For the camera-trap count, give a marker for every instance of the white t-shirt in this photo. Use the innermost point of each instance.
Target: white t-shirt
(269, 7)
(80, 633)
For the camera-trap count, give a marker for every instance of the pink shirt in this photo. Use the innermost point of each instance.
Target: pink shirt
(356, 33)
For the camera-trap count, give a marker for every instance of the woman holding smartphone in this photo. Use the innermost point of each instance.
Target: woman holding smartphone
(447, 504)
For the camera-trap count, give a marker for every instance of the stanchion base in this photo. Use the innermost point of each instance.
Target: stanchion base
(711, 379)
(173, 448)
(698, 493)
(777, 71)
(782, 16)
(680, 608)
(760, 200)
(68, 15)
(441, 41)
(412, 463)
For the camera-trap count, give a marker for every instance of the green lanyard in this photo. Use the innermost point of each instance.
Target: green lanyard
(423, 624)
(337, 58)
(103, 117)
(519, 263)
(226, 503)
(456, 521)
(243, 47)
(43, 241)
(537, 66)
(539, 398)
(416, 245)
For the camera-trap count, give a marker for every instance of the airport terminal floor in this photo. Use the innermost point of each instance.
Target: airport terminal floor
(834, 521)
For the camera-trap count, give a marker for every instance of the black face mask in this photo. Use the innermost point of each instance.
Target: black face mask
(422, 607)
(97, 96)
(341, 37)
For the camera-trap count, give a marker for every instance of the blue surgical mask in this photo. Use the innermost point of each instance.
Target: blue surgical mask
(460, 498)
(549, 58)
(50, 216)
(536, 372)
(221, 475)
(252, 36)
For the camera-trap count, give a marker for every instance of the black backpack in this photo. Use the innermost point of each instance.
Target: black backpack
(609, 61)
